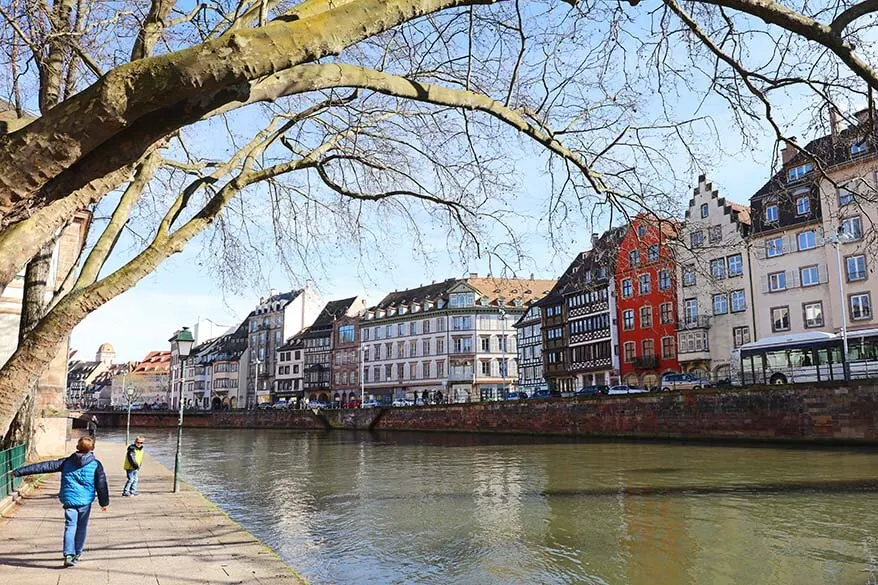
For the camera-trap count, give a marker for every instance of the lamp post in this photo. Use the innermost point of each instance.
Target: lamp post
(129, 393)
(256, 362)
(362, 375)
(503, 349)
(182, 342)
(836, 241)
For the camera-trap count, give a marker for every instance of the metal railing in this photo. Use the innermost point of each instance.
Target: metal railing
(9, 460)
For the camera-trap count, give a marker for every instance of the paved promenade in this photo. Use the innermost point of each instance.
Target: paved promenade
(157, 538)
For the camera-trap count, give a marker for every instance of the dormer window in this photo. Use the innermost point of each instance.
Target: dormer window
(704, 210)
(483, 301)
(858, 148)
(803, 205)
(796, 173)
(772, 213)
(462, 299)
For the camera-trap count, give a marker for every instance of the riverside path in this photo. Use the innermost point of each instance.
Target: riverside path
(157, 538)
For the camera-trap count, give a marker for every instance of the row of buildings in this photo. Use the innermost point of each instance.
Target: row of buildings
(653, 296)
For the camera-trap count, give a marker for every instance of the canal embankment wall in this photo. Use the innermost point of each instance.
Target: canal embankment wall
(827, 414)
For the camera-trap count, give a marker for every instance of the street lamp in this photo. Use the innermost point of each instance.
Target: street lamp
(836, 240)
(129, 393)
(182, 342)
(503, 348)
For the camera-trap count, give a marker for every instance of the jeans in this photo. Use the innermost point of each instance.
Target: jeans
(131, 484)
(75, 526)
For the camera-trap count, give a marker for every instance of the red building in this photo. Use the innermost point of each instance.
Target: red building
(646, 301)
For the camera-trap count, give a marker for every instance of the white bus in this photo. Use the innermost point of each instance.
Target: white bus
(805, 357)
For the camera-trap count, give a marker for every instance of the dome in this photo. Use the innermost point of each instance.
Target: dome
(106, 348)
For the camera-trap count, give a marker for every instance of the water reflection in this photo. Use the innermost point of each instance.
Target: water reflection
(408, 508)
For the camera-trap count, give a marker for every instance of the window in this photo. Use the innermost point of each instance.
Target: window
(666, 313)
(641, 230)
(780, 319)
(668, 348)
(858, 148)
(846, 195)
(630, 351)
(720, 304)
(740, 336)
(486, 368)
(852, 227)
(774, 247)
(856, 267)
(461, 299)
(704, 210)
(463, 344)
(796, 173)
(627, 288)
(648, 346)
(813, 314)
(425, 326)
(716, 234)
(652, 253)
(736, 265)
(346, 334)
(777, 281)
(807, 240)
(644, 284)
(634, 258)
(646, 317)
(485, 341)
(809, 275)
(771, 213)
(628, 319)
(461, 323)
(718, 268)
(803, 205)
(861, 307)
(696, 239)
(413, 328)
(689, 275)
(690, 311)
(664, 279)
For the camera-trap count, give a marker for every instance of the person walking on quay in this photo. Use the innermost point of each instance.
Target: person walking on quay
(92, 427)
(133, 461)
(81, 477)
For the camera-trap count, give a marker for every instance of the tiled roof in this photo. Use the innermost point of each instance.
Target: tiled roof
(332, 311)
(525, 289)
(602, 255)
(155, 362)
(417, 295)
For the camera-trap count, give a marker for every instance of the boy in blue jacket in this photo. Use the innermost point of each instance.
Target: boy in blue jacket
(81, 477)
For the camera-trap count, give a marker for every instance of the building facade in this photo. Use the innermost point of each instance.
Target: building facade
(448, 341)
(317, 351)
(812, 222)
(277, 318)
(530, 351)
(346, 359)
(714, 286)
(646, 301)
(290, 365)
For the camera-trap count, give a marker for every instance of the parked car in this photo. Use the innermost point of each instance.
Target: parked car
(683, 382)
(400, 402)
(354, 403)
(317, 404)
(279, 405)
(594, 390)
(370, 403)
(515, 395)
(625, 389)
(542, 394)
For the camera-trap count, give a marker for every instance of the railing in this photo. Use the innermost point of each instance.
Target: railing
(9, 460)
(646, 361)
(696, 322)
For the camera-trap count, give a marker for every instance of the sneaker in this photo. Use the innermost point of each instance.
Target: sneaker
(134, 494)
(125, 494)
(76, 558)
(68, 561)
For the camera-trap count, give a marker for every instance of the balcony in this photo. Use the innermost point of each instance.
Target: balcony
(694, 322)
(460, 375)
(646, 362)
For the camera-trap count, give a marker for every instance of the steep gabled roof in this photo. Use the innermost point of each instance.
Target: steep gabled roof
(332, 311)
(582, 273)
(417, 295)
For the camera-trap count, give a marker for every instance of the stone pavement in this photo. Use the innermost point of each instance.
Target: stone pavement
(157, 538)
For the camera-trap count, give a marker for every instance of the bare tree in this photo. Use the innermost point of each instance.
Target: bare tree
(367, 113)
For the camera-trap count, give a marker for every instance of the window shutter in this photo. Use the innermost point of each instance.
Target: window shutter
(763, 280)
(822, 273)
(818, 238)
(788, 244)
(793, 278)
(760, 251)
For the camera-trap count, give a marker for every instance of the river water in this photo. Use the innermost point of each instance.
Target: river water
(360, 508)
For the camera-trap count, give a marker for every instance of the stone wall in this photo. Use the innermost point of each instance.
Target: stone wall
(789, 413)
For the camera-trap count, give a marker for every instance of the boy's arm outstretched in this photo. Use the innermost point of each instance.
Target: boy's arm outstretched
(51, 466)
(101, 486)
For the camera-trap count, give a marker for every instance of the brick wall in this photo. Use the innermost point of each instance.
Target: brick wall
(792, 413)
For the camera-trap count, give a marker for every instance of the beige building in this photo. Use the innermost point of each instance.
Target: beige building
(448, 341)
(714, 291)
(796, 217)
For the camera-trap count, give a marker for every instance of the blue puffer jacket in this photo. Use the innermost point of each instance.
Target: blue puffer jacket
(81, 476)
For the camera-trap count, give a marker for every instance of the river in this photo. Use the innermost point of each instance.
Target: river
(359, 508)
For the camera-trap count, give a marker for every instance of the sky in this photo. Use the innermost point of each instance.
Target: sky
(183, 291)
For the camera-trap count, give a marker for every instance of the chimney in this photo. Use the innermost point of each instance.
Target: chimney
(272, 292)
(863, 116)
(834, 125)
(473, 274)
(788, 152)
(594, 239)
